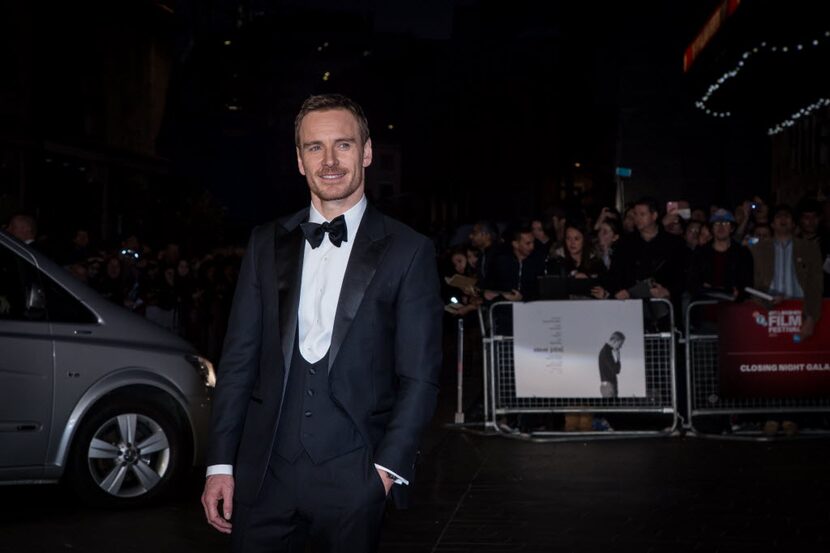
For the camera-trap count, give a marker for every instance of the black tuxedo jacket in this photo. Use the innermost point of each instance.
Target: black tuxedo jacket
(385, 353)
(608, 368)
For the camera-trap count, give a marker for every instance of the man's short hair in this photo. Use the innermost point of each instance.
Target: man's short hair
(326, 102)
(516, 232)
(649, 202)
(782, 208)
(617, 335)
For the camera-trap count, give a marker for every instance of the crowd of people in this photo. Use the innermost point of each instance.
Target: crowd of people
(648, 251)
(189, 295)
(672, 252)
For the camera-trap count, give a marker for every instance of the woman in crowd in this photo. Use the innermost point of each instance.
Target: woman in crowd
(459, 302)
(577, 258)
(608, 233)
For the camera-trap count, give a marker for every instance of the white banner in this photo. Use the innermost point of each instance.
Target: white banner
(585, 349)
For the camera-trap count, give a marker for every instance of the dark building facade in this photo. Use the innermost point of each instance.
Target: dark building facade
(764, 70)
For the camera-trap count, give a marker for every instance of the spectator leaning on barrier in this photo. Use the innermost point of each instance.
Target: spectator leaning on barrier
(514, 273)
(458, 302)
(648, 258)
(577, 259)
(722, 265)
(790, 268)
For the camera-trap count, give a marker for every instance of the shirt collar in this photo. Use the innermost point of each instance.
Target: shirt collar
(353, 216)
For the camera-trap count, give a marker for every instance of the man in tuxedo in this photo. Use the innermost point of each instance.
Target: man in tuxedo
(330, 366)
(609, 365)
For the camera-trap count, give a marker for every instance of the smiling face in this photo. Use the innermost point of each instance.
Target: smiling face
(332, 158)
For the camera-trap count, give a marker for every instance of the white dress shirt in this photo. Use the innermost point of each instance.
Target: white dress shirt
(323, 270)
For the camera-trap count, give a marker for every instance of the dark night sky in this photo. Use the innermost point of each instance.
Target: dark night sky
(492, 106)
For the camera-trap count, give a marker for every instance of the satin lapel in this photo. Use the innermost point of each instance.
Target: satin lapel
(370, 244)
(288, 253)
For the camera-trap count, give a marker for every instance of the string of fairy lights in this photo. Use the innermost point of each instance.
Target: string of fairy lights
(746, 57)
(793, 119)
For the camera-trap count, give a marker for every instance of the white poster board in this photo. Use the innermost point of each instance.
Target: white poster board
(558, 347)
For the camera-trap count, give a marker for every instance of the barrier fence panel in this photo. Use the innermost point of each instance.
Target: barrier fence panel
(711, 411)
(660, 393)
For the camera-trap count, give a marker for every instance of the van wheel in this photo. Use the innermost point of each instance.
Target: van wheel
(126, 454)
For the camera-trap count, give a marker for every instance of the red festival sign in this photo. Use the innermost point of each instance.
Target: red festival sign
(713, 24)
(762, 355)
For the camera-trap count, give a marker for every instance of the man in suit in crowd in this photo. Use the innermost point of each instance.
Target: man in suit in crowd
(790, 268)
(330, 367)
(609, 365)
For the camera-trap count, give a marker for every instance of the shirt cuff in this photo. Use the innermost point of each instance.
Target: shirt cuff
(398, 479)
(219, 469)
(228, 470)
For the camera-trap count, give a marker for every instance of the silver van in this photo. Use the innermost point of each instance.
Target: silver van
(91, 392)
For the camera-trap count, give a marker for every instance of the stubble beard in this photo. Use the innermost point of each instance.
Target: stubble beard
(334, 193)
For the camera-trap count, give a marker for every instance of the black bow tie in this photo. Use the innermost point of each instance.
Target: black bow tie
(337, 232)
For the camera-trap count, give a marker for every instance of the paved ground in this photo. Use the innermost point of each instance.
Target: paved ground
(493, 494)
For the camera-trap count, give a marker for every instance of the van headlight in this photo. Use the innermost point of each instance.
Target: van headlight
(204, 368)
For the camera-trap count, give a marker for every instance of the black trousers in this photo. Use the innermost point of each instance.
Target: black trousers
(336, 506)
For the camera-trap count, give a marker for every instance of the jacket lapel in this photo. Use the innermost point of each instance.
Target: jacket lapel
(369, 246)
(288, 254)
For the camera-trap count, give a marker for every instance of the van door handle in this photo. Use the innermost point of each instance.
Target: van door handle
(83, 333)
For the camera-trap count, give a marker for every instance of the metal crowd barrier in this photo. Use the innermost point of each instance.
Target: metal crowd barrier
(499, 383)
(710, 414)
